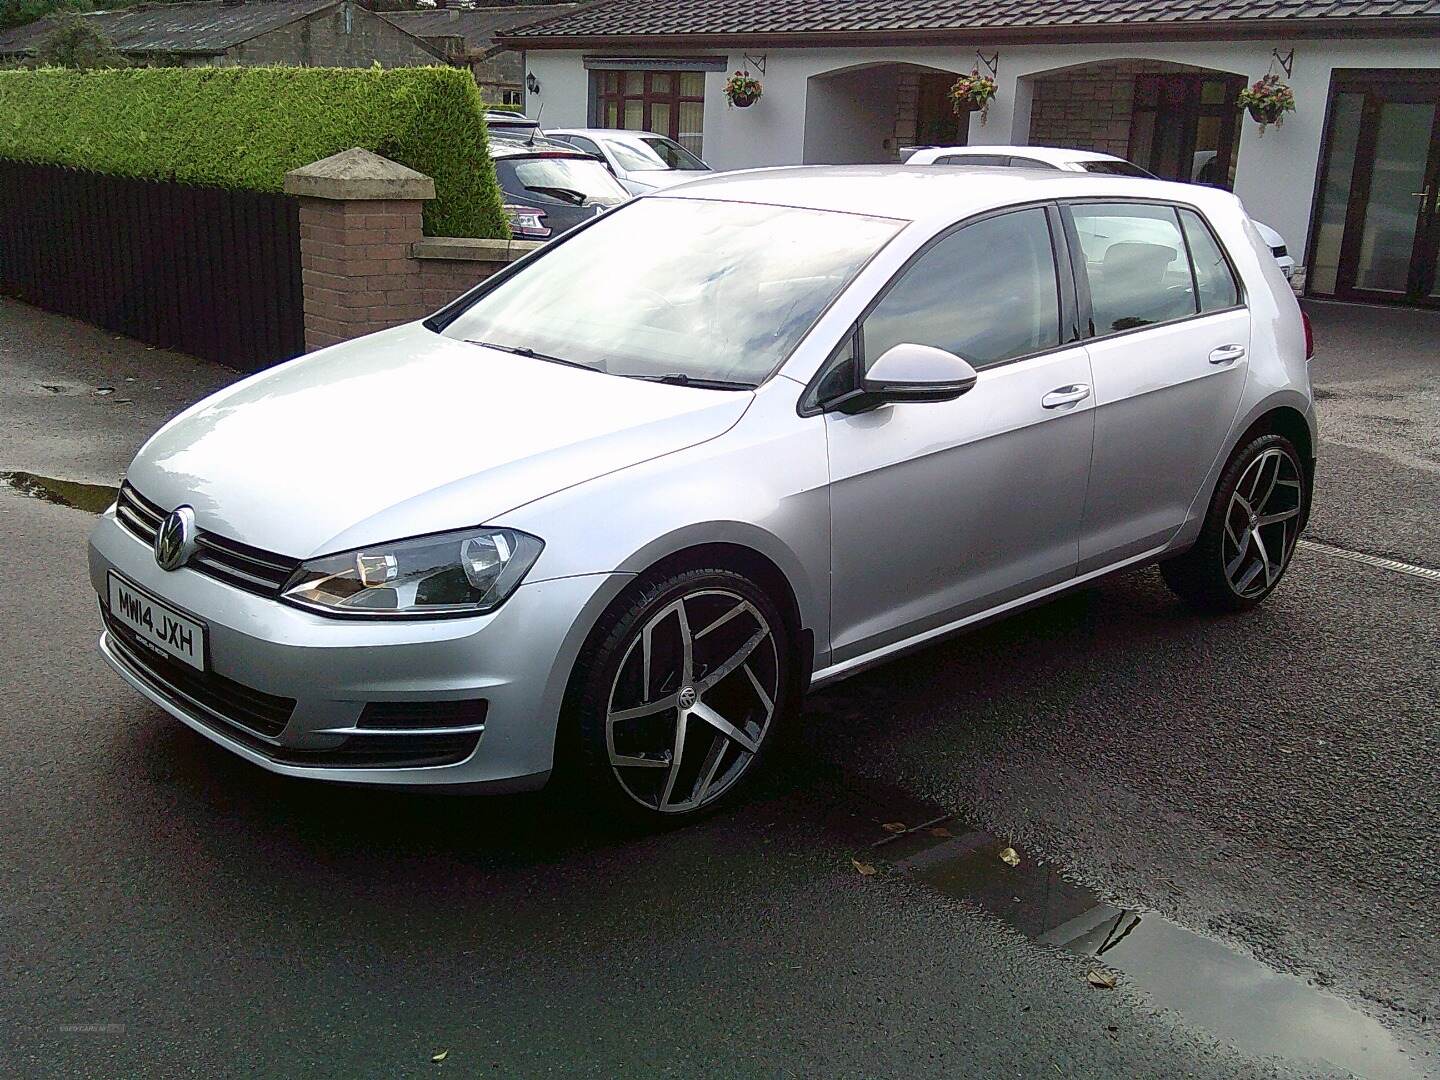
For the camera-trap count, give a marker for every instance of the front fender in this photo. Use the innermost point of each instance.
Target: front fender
(763, 485)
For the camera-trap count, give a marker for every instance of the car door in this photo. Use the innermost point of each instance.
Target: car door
(942, 510)
(1169, 356)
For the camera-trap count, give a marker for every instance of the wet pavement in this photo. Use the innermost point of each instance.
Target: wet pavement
(1232, 819)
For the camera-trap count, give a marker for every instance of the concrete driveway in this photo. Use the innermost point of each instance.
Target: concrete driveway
(1233, 820)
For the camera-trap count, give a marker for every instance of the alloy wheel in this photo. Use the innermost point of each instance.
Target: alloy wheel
(1262, 523)
(692, 700)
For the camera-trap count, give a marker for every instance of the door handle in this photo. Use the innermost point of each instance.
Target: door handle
(1227, 354)
(1065, 395)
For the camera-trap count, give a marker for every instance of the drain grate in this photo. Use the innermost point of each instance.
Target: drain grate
(1424, 573)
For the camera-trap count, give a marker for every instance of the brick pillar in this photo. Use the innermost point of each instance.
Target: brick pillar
(359, 215)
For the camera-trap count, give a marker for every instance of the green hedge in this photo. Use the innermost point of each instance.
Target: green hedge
(244, 127)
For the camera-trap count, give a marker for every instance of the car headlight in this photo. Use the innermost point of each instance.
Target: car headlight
(455, 573)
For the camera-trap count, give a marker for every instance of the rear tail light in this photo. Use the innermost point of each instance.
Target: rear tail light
(526, 222)
(1309, 336)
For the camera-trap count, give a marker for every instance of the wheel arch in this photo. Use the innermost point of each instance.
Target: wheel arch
(745, 550)
(1288, 413)
(1284, 418)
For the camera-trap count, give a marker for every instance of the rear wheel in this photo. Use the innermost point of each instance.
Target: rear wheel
(677, 697)
(1249, 533)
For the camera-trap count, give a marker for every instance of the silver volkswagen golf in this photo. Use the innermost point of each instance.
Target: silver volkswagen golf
(610, 513)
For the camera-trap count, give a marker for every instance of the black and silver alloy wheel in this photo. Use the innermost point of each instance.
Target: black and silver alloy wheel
(1262, 523)
(1249, 532)
(679, 696)
(692, 700)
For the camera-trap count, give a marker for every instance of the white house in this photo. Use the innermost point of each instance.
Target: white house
(1351, 178)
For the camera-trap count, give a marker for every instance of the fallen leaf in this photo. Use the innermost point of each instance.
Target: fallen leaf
(1100, 980)
(439, 1056)
(894, 826)
(1010, 857)
(940, 830)
(864, 868)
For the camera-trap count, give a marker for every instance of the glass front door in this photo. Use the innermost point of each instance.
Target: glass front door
(1377, 230)
(1185, 126)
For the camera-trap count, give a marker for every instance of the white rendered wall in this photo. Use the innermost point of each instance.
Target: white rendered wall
(1275, 176)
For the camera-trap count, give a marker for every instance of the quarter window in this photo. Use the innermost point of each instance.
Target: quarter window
(1218, 287)
(987, 293)
(1136, 263)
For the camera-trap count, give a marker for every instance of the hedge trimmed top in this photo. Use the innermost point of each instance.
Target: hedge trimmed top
(245, 127)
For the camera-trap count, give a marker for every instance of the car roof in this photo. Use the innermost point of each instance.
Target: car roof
(1054, 155)
(514, 144)
(619, 134)
(922, 193)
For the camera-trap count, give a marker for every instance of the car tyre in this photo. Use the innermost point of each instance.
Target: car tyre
(1250, 530)
(676, 699)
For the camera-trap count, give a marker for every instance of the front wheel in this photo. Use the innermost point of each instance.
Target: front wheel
(1249, 533)
(677, 697)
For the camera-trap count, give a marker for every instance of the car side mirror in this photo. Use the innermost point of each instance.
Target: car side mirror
(910, 372)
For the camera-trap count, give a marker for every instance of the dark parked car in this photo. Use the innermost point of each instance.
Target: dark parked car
(550, 187)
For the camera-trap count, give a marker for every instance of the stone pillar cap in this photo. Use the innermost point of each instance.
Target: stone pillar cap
(358, 174)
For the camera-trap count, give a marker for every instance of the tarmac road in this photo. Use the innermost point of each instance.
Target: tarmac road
(1268, 781)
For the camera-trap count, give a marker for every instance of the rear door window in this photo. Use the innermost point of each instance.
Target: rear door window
(582, 143)
(1214, 278)
(1137, 264)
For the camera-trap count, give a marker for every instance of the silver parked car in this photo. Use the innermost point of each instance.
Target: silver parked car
(1050, 157)
(641, 160)
(796, 422)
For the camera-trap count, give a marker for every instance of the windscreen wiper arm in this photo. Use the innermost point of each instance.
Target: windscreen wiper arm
(526, 351)
(679, 379)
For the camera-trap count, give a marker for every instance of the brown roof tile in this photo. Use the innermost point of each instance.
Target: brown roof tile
(727, 18)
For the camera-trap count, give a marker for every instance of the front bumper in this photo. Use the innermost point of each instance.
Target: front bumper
(516, 660)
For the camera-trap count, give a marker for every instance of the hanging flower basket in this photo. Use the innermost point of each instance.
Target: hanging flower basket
(1267, 101)
(971, 92)
(742, 90)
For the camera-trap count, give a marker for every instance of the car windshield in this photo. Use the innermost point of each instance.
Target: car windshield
(576, 181)
(1116, 168)
(691, 289)
(652, 153)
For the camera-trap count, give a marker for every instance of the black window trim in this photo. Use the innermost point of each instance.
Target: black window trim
(1082, 276)
(1061, 249)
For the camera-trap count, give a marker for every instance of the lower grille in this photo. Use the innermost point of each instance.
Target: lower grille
(237, 704)
(364, 751)
(424, 715)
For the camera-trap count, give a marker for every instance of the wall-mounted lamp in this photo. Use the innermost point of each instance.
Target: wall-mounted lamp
(532, 83)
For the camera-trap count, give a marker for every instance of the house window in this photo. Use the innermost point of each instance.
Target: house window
(666, 102)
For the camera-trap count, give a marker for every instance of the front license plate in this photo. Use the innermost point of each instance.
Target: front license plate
(157, 625)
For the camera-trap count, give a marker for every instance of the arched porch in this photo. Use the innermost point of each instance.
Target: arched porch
(866, 113)
(1179, 121)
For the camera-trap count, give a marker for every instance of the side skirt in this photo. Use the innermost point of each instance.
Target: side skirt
(836, 672)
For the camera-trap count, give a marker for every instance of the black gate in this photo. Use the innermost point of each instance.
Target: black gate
(208, 271)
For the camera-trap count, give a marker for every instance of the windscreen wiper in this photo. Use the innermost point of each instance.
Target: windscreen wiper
(526, 351)
(564, 194)
(679, 379)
